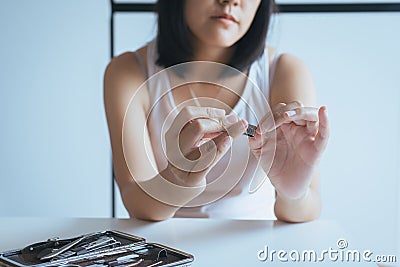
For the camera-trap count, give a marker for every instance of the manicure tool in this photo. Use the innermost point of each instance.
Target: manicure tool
(251, 130)
(123, 259)
(57, 252)
(155, 264)
(98, 244)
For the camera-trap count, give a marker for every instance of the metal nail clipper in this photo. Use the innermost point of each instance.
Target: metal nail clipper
(251, 130)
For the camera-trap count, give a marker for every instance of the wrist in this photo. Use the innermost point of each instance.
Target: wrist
(167, 189)
(293, 197)
(182, 178)
(170, 173)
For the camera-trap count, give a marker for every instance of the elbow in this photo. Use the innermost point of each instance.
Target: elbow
(306, 215)
(144, 208)
(297, 219)
(150, 217)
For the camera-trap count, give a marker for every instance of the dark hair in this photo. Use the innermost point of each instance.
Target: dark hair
(174, 39)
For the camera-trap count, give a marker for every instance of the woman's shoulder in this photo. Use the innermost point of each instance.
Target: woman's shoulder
(124, 75)
(127, 65)
(285, 61)
(292, 79)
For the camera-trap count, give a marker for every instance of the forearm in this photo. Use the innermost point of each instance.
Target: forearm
(158, 198)
(307, 208)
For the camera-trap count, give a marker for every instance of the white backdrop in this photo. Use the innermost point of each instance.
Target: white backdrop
(356, 66)
(355, 62)
(54, 148)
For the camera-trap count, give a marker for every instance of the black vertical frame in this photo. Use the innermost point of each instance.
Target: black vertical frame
(111, 56)
(283, 8)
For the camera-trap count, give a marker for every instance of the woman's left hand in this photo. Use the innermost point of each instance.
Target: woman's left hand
(301, 137)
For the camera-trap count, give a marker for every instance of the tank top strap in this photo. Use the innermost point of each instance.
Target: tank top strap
(152, 58)
(141, 64)
(262, 73)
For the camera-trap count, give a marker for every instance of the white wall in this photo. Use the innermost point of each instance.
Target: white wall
(54, 147)
(131, 30)
(355, 62)
(55, 156)
(356, 66)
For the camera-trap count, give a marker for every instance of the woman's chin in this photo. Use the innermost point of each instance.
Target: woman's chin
(222, 42)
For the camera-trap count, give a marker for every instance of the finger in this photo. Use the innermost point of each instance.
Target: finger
(237, 129)
(267, 121)
(260, 140)
(267, 124)
(233, 131)
(211, 151)
(279, 113)
(271, 123)
(300, 122)
(293, 105)
(276, 117)
(222, 145)
(322, 137)
(194, 131)
(312, 128)
(256, 142)
(199, 131)
(303, 113)
(278, 106)
(210, 136)
(190, 113)
(229, 120)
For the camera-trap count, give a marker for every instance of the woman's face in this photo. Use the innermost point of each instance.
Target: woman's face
(220, 23)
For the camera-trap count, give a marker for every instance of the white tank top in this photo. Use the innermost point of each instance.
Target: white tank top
(227, 193)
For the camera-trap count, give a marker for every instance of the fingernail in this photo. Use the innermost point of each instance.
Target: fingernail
(290, 113)
(232, 118)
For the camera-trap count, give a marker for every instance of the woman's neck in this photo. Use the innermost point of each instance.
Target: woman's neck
(204, 52)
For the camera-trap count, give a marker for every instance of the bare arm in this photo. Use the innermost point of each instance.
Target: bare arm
(149, 193)
(293, 82)
(122, 79)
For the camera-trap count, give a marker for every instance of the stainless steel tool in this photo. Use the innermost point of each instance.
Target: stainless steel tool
(68, 246)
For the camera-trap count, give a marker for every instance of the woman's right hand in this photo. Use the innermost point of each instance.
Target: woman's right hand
(197, 140)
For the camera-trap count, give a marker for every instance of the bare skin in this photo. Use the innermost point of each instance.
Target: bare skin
(302, 132)
(122, 75)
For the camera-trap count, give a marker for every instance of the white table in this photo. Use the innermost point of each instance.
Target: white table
(212, 242)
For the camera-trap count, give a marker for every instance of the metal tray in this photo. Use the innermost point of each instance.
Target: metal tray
(100, 249)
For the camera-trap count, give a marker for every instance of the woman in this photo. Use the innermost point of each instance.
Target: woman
(170, 137)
